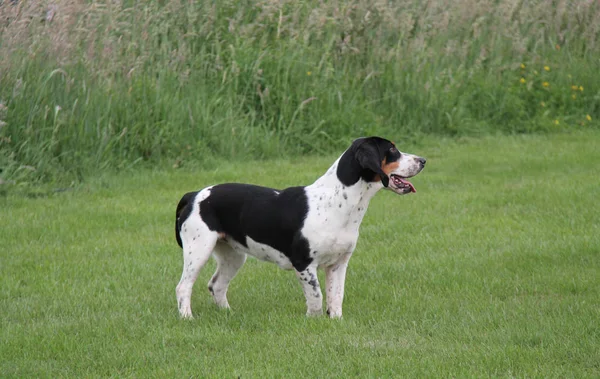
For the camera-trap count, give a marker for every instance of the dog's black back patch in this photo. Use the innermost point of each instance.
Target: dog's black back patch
(268, 216)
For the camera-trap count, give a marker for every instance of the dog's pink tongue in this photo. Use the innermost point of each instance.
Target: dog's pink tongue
(406, 182)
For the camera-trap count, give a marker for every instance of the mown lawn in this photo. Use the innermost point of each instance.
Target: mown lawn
(491, 269)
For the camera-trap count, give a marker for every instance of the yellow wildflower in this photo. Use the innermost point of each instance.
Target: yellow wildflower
(581, 88)
(546, 84)
(556, 122)
(588, 117)
(522, 80)
(574, 96)
(574, 88)
(522, 66)
(546, 68)
(309, 73)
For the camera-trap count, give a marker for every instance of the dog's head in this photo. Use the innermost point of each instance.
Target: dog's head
(377, 159)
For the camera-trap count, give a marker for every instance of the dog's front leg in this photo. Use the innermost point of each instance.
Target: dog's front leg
(335, 276)
(312, 290)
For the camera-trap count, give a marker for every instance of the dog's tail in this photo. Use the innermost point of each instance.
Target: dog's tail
(184, 208)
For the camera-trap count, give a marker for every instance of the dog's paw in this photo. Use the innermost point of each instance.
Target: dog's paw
(222, 304)
(314, 312)
(334, 314)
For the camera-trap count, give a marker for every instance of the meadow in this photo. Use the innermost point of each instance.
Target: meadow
(111, 110)
(87, 86)
(489, 270)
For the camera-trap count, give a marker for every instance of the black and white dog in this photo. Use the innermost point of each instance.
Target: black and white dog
(299, 228)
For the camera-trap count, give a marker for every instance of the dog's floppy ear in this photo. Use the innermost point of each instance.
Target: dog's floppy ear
(369, 157)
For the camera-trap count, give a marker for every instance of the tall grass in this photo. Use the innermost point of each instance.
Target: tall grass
(87, 85)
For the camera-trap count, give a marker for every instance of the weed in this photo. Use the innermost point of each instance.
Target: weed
(138, 83)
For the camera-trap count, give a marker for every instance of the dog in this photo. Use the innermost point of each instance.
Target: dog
(298, 228)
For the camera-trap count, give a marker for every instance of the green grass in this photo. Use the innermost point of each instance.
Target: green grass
(491, 269)
(110, 85)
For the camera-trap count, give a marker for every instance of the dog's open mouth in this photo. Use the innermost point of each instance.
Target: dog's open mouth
(401, 185)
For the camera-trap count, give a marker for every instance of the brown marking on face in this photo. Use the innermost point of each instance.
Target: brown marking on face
(388, 168)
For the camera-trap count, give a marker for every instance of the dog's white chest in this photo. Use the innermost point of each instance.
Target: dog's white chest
(329, 250)
(333, 221)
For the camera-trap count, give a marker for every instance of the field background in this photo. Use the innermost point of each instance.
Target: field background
(110, 111)
(92, 85)
(490, 269)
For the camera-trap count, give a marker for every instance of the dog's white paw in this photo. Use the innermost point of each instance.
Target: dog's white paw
(314, 312)
(334, 314)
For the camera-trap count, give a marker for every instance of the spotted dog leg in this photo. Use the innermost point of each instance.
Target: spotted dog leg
(198, 244)
(312, 290)
(335, 276)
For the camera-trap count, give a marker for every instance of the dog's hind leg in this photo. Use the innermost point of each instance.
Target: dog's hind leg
(198, 243)
(229, 262)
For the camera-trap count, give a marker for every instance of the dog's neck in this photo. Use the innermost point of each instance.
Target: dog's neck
(356, 195)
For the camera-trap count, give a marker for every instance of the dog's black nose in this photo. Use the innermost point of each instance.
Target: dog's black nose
(422, 161)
